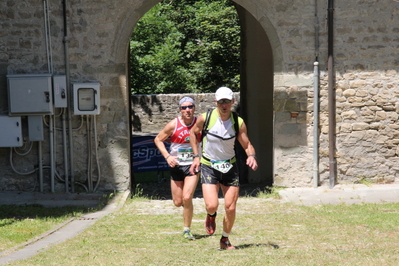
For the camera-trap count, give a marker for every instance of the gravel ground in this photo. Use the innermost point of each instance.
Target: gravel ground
(161, 190)
(161, 202)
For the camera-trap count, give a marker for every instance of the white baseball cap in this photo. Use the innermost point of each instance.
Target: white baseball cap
(224, 93)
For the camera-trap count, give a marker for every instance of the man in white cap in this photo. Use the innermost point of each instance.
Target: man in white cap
(218, 163)
(180, 158)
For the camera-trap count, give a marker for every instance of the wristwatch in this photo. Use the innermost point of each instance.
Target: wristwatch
(253, 155)
(196, 155)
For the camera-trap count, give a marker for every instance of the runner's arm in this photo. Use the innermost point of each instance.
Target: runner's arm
(166, 132)
(197, 128)
(247, 146)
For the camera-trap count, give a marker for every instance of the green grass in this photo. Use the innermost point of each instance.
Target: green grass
(269, 192)
(267, 232)
(19, 224)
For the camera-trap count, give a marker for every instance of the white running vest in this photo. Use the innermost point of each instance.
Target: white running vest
(218, 149)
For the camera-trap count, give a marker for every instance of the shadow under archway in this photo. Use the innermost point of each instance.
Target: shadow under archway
(257, 86)
(257, 74)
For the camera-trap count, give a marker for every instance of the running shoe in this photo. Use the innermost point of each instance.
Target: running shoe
(210, 224)
(187, 235)
(225, 243)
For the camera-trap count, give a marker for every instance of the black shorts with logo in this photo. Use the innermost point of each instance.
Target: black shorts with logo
(179, 172)
(213, 176)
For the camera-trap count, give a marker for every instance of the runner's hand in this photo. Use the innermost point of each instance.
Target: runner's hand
(251, 162)
(194, 168)
(172, 161)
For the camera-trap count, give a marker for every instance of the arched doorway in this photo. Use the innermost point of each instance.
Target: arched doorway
(260, 54)
(257, 93)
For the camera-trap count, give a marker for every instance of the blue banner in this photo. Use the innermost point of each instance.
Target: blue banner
(146, 156)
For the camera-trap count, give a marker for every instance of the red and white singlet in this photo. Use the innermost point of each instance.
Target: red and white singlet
(180, 142)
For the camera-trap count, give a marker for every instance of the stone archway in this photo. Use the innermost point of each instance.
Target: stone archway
(259, 64)
(261, 57)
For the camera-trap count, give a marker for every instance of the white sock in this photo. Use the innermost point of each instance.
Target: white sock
(224, 234)
(186, 228)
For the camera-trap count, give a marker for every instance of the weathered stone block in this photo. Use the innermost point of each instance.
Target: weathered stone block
(360, 126)
(349, 93)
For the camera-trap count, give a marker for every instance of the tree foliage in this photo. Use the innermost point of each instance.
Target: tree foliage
(186, 46)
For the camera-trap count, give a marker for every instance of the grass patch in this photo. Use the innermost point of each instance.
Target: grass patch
(365, 181)
(19, 224)
(141, 194)
(267, 232)
(263, 192)
(269, 192)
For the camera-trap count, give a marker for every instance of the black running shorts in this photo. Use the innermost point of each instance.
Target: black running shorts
(179, 172)
(213, 176)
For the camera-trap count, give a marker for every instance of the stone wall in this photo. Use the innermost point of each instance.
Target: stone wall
(365, 72)
(367, 126)
(150, 113)
(95, 53)
(366, 92)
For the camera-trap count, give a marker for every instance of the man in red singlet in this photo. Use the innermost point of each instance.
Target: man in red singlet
(180, 158)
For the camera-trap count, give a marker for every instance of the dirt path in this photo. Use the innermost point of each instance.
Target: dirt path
(162, 203)
(162, 190)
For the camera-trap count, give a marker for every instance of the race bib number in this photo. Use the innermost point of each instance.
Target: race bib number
(222, 166)
(185, 154)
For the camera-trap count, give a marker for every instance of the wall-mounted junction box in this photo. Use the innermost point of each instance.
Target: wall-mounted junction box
(86, 98)
(11, 131)
(35, 128)
(60, 92)
(30, 94)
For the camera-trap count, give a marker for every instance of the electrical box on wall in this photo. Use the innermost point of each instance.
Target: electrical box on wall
(35, 128)
(29, 94)
(86, 98)
(11, 131)
(60, 92)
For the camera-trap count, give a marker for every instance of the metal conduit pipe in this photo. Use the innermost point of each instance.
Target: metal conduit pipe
(51, 117)
(89, 157)
(331, 96)
(46, 35)
(40, 152)
(316, 125)
(39, 148)
(316, 98)
(96, 153)
(69, 111)
(52, 164)
(46, 15)
(64, 140)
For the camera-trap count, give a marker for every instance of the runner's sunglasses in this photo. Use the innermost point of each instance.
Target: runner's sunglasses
(222, 101)
(185, 107)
